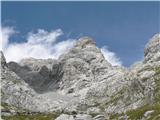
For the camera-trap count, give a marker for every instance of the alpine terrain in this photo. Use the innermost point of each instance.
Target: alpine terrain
(82, 85)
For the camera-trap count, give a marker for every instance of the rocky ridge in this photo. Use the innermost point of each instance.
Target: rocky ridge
(83, 85)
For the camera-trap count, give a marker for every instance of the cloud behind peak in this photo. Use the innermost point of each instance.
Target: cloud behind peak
(43, 44)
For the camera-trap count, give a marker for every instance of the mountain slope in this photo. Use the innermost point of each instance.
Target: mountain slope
(81, 84)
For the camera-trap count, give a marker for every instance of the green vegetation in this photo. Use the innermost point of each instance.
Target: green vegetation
(8, 107)
(139, 113)
(157, 81)
(22, 114)
(51, 116)
(2, 93)
(15, 81)
(146, 68)
(94, 114)
(5, 106)
(157, 70)
(115, 116)
(145, 79)
(114, 98)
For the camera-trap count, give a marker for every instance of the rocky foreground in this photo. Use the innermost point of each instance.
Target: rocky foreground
(82, 85)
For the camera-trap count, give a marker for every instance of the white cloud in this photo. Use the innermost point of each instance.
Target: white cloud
(41, 44)
(111, 57)
(5, 33)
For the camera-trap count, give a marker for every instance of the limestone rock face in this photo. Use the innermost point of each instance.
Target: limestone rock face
(14, 90)
(152, 49)
(81, 65)
(81, 84)
(41, 75)
(17, 94)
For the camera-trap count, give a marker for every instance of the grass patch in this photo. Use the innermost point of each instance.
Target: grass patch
(139, 113)
(6, 106)
(51, 116)
(114, 99)
(157, 70)
(94, 114)
(157, 81)
(115, 116)
(145, 79)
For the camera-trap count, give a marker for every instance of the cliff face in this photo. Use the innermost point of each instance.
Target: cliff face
(41, 75)
(14, 91)
(82, 82)
(151, 51)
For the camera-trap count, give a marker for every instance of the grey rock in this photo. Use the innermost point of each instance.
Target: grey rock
(76, 117)
(83, 82)
(99, 117)
(14, 90)
(81, 64)
(152, 49)
(83, 117)
(65, 117)
(41, 75)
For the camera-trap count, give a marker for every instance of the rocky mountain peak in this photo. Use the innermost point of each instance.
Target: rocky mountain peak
(85, 49)
(81, 64)
(152, 49)
(85, 41)
(82, 83)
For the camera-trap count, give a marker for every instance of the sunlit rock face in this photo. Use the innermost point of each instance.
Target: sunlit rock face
(83, 84)
(14, 91)
(82, 64)
(152, 49)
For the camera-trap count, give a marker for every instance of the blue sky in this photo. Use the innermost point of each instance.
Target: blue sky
(125, 27)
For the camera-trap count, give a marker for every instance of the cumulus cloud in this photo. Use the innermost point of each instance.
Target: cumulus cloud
(111, 57)
(42, 44)
(5, 32)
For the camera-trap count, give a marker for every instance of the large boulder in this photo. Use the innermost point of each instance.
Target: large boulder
(74, 117)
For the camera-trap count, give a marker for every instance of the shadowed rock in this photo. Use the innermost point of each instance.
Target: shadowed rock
(41, 75)
(3, 60)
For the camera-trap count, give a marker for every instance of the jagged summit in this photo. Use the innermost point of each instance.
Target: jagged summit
(85, 49)
(152, 49)
(84, 41)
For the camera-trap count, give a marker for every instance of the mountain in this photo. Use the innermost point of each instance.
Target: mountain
(82, 85)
